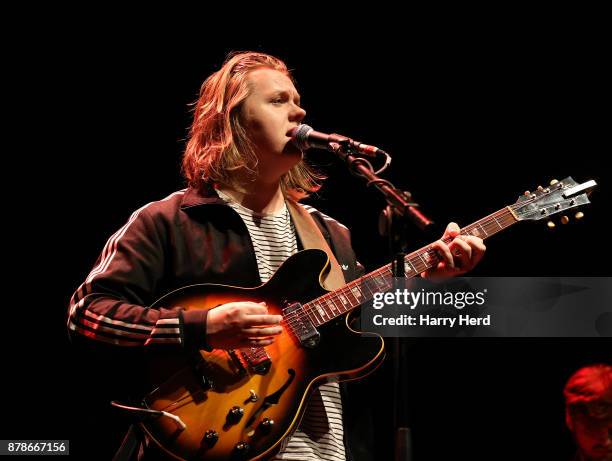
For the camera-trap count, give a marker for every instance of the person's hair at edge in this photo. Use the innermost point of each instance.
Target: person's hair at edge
(218, 145)
(592, 383)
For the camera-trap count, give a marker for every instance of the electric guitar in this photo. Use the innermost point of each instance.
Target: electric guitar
(242, 404)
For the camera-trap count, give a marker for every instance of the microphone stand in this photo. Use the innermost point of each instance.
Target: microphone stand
(393, 224)
(398, 200)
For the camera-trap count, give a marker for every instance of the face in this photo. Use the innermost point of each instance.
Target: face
(270, 111)
(593, 437)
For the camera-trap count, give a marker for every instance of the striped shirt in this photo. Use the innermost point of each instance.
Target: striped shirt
(320, 434)
(272, 234)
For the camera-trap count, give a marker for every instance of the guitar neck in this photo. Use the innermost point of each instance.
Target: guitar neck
(335, 303)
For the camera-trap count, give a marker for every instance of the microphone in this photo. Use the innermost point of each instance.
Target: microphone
(304, 137)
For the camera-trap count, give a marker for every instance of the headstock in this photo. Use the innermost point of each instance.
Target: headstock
(558, 197)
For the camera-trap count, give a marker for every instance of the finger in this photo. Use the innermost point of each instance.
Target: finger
(255, 308)
(262, 332)
(444, 253)
(478, 248)
(462, 253)
(452, 230)
(257, 342)
(475, 242)
(263, 320)
(460, 246)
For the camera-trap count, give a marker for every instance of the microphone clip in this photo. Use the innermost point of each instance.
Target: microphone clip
(343, 147)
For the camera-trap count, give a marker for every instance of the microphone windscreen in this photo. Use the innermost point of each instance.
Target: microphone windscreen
(299, 136)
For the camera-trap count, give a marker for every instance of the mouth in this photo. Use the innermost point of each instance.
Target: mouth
(291, 131)
(289, 136)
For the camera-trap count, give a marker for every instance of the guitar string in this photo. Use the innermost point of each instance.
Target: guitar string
(296, 316)
(432, 254)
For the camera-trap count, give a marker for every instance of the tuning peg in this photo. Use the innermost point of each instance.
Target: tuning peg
(527, 192)
(564, 219)
(551, 225)
(553, 182)
(540, 188)
(579, 215)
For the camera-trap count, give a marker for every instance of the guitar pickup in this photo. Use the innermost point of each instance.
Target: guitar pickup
(301, 326)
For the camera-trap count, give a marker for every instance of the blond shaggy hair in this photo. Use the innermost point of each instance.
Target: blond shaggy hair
(218, 145)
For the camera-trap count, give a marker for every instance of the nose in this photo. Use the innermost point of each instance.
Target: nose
(298, 114)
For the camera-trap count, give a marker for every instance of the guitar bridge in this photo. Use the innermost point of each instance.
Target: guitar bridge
(301, 326)
(238, 362)
(257, 358)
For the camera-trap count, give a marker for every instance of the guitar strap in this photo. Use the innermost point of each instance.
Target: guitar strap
(311, 237)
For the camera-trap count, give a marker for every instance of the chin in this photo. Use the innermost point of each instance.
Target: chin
(291, 150)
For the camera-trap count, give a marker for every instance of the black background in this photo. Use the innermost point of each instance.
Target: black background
(472, 118)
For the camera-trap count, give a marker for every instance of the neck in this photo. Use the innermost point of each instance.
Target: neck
(355, 293)
(258, 196)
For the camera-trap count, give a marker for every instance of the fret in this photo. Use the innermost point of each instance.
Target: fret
(422, 260)
(345, 302)
(370, 286)
(482, 229)
(322, 311)
(338, 305)
(417, 266)
(409, 269)
(309, 312)
(492, 226)
(476, 232)
(508, 217)
(432, 260)
(334, 308)
(356, 292)
(323, 307)
(316, 310)
(349, 295)
(504, 220)
(380, 282)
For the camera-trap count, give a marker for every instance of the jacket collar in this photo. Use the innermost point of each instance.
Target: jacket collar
(206, 195)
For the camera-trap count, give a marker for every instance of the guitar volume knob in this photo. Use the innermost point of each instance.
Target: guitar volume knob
(267, 424)
(211, 436)
(235, 414)
(242, 450)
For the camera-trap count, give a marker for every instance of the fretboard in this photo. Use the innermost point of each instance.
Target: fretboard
(335, 303)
